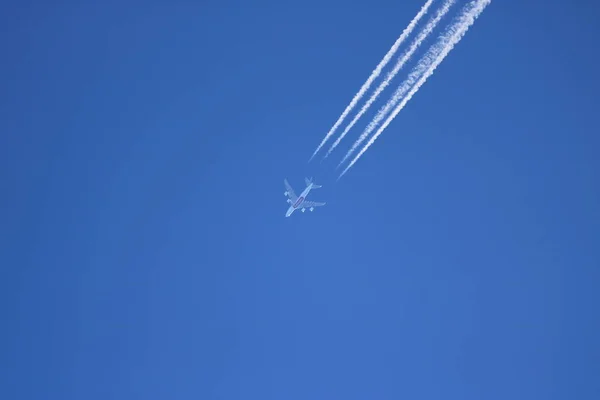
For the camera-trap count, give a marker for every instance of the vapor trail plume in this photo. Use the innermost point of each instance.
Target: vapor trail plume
(407, 31)
(401, 61)
(447, 42)
(404, 87)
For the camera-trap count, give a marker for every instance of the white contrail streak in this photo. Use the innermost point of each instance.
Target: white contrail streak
(407, 31)
(419, 69)
(404, 87)
(401, 61)
(447, 42)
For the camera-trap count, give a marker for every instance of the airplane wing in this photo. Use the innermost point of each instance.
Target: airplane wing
(308, 204)
(289, 191)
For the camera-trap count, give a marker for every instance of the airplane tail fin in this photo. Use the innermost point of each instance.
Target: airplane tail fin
(309, 181)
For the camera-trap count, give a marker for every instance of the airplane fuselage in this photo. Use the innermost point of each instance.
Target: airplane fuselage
(299, 201)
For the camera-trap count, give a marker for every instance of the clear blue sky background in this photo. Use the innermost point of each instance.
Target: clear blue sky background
(144, 248)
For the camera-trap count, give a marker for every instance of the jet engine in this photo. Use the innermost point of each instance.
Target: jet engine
(312, 209)
(285, 193)
(304, 209)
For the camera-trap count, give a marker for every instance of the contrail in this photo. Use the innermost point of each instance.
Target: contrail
(407, 31)
(404, 87)
(401, 61)
(417, 71)
(447, 42)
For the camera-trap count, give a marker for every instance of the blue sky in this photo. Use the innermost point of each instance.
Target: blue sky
(144, 248)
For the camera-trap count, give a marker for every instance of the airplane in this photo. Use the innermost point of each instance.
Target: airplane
(300, 202)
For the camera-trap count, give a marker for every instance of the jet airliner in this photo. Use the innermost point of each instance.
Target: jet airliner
(300, 202)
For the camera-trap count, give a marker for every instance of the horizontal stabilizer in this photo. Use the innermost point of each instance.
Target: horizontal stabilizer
(309, 181)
